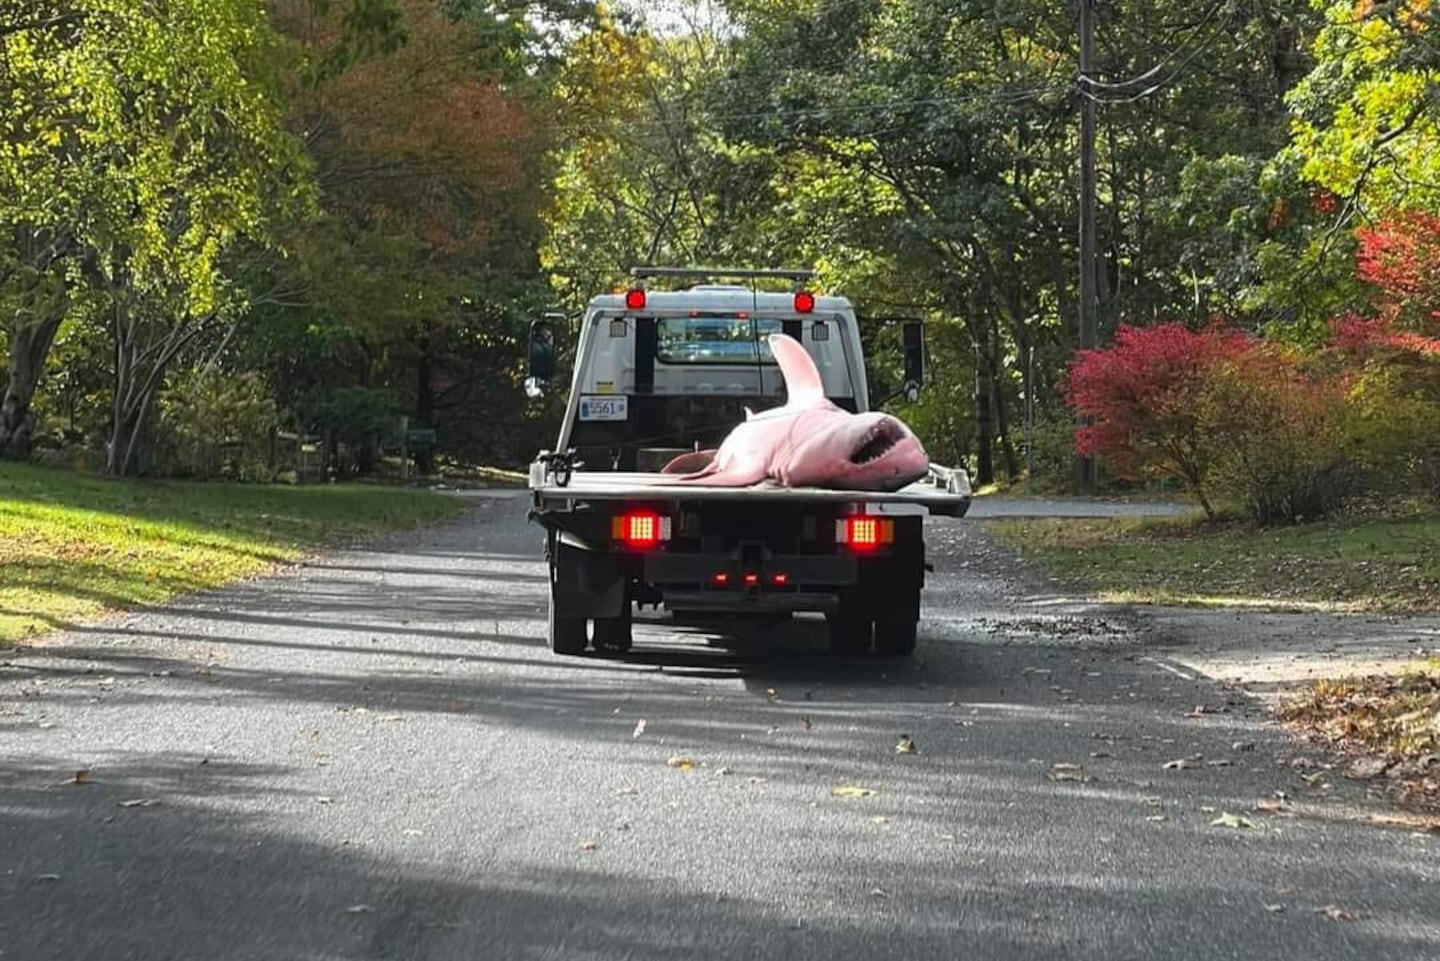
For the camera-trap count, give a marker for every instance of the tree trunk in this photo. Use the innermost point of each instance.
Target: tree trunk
(984, 419)
(424, 408)
(29, 346)
(1002, 412)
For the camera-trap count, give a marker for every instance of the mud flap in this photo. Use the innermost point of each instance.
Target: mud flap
(586, 583)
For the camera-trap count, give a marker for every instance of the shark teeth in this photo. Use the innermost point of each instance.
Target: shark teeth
(877, 442)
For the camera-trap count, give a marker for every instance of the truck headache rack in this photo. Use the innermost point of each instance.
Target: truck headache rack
(798, 275)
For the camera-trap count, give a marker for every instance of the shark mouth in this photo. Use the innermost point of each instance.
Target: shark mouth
(878, 442)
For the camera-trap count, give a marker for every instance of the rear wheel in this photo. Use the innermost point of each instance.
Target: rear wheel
(895, 635)
(850, 629)
(897, 623)
(567, 634)
(613, 634)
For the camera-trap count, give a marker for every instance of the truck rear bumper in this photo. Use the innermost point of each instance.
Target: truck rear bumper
(799, 570)
(733, 603)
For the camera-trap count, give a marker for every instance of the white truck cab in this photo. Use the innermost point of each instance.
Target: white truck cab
(662, 373)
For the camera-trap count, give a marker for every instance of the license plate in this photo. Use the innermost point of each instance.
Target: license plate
(615, 407)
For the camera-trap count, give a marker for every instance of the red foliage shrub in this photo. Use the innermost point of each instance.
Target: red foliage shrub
(1400, 258)
(1144, 394)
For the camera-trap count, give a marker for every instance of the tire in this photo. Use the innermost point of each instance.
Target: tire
(567, 634)
(895, 636)
(850, 630)
(897, 624)
(613, 634)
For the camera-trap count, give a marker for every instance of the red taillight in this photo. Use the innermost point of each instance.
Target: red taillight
(635, 299)
(721, 579)
(640, 530)
(752, 580)
(780, 580)
(804, 302)
(865, 533)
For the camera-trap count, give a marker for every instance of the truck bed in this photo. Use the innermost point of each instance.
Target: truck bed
(944, 492)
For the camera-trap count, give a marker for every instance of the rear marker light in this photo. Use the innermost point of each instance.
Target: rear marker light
(804, 302)
(635, 299)
(752, 579)
(865, 533)
(641, 530)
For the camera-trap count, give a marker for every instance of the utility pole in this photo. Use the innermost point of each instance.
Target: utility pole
(1084, 465)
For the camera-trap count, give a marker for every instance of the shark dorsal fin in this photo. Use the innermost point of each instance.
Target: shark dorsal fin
(802, 377)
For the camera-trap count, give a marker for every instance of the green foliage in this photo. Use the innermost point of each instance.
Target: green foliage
(357, 416)
(217, 424)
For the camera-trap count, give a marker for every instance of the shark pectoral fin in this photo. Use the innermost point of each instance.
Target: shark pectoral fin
(739, 475)
(690, 463)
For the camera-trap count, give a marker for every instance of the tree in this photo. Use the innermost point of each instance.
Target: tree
(160, 132)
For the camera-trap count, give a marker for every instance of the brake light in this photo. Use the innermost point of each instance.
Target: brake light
(751, 580)
(865, 533)
(804, 302)
(722, 579)
(635, 299)
(780, 579)
(640, 530)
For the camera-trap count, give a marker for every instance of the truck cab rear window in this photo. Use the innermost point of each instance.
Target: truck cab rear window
(715, 339)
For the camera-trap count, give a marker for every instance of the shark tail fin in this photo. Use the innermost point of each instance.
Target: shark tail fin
(802, 377)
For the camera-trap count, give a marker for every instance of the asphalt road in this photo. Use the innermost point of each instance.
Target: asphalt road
(375, 756)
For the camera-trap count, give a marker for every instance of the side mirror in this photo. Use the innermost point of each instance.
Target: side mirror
(542, 357)
(914, 359)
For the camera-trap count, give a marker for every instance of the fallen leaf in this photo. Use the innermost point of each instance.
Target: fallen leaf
(850, 791)
(1274, 908)
(391, 718)
(1366, 768)
(1156, 817)
(1228, 820)
(1314, 778)
(771, 693)
(906, 745)
(322, 799)
(359, 909)
(879, 893)
(1150, 801)
(1271, 805)
(1067, 772)
(880, 820)
(1218, 762)
(589, 845)
(639, 728)
(1336, 913)
(682, 763)
(805, 721)
(139, 802)
(1181, 764)
(47, 877)
(628, 790)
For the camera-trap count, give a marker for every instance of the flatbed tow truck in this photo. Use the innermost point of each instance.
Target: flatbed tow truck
(659, 374)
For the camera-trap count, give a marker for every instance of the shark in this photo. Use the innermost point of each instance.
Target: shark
(808, 442)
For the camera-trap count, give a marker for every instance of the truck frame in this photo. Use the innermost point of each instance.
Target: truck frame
(659, 374)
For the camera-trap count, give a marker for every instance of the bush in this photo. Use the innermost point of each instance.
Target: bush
(1145, 396)
(1395, 402)
(215, 424)
(1284, 459)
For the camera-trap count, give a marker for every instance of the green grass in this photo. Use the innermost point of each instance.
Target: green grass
(73, 546)
(1369, 563)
